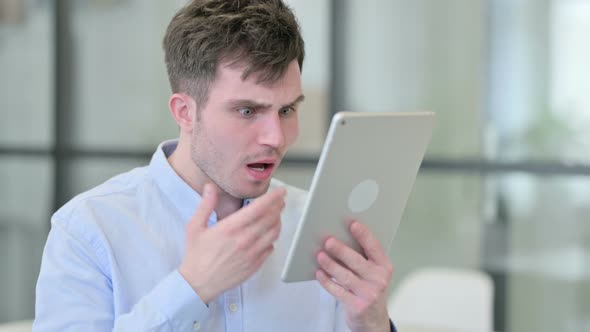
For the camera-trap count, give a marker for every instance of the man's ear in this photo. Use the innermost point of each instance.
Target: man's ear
(184, 111)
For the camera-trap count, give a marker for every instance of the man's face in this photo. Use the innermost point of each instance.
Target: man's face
(245, 128)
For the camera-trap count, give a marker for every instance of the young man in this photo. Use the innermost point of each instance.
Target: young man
(197, 239)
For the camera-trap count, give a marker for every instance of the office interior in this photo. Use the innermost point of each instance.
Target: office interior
(504, 188)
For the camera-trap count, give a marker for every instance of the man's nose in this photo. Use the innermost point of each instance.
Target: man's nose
(272, 133)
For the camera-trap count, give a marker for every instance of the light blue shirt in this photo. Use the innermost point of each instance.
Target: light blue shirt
(111, 259)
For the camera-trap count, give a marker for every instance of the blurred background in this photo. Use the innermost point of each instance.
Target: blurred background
(504, 188)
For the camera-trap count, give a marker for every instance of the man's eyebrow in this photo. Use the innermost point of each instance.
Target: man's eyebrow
(247, 102)
(254, 104)
(296, 101)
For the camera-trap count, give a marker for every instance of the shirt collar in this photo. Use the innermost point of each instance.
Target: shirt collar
(182, 196)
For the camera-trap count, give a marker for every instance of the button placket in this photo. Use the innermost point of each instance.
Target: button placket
(233, 309)
(196, 326)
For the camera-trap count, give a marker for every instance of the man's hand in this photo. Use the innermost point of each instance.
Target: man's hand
(220, 257)
(359, 283)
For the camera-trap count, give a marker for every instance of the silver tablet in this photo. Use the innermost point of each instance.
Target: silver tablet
(366, 171)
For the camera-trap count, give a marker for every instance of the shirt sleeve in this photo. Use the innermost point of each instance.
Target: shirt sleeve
(340, 323)
(75, 293)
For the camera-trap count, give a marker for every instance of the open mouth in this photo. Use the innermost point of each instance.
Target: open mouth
(260, 167)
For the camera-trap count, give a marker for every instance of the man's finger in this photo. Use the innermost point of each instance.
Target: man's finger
(371, 246)
(266, 238)
(349, 257)
(260, 206)
(339, 292)
(208, 202)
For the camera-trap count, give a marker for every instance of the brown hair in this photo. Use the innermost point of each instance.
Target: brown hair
(262, 34)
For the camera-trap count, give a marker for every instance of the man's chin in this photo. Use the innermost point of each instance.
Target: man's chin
(258, 189)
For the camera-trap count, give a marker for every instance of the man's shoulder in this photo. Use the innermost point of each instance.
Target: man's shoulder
(116, 193)
(294, 202)
(292, 191)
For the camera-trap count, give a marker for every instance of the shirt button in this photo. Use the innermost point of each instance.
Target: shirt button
(233, 307)
(196, 326)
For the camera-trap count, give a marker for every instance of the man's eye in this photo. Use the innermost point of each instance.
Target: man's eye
(286, 111)
(246, 111)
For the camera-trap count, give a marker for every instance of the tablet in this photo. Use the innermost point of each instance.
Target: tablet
(366, 171)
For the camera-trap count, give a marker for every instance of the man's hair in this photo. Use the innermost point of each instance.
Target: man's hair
(263, 35)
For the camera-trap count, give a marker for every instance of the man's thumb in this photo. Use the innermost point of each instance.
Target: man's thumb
(208, 202)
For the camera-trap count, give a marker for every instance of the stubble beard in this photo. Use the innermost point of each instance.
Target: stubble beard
(206, 158)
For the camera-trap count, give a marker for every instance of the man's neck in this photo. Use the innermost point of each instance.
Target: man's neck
(182, 164)
(226, 204)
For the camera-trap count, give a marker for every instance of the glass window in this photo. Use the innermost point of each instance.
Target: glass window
(26, 82)
(546, 251)
(25, 194)
(418, 56)
(120, 87)
(539, 72)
